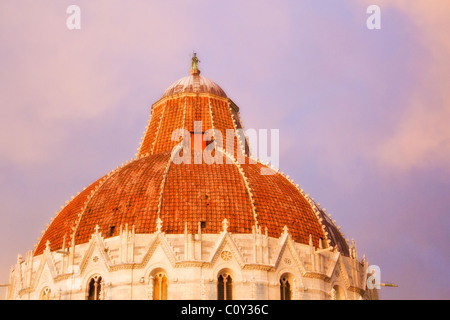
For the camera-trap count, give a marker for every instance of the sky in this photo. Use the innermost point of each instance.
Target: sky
(362, 114)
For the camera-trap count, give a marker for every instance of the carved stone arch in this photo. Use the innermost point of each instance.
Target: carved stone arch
(292, 270)
(94, 286)
(232, 269)
(158, 284)
(338, 292)
(287, 282)
(225, 282)
(152, 268)
(88, 273)
(45, 293)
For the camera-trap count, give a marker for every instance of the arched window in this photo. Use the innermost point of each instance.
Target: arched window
(338, 293)
(95, 288)
(285, 288)
(225, 287)
(160, 286)
(45, 294)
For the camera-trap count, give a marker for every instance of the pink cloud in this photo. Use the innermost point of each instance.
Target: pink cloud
(53, 78)
(422, 137)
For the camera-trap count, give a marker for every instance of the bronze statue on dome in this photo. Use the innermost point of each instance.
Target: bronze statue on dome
(194, 63)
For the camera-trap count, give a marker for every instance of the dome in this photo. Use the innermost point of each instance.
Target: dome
(194, 83)
(186, 197)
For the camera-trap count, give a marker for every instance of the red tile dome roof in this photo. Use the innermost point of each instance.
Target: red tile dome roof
(183, 195)
(186, 196)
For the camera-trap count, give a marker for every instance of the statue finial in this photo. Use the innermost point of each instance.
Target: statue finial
(194, 64)
(225, 225)
(158, 224)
